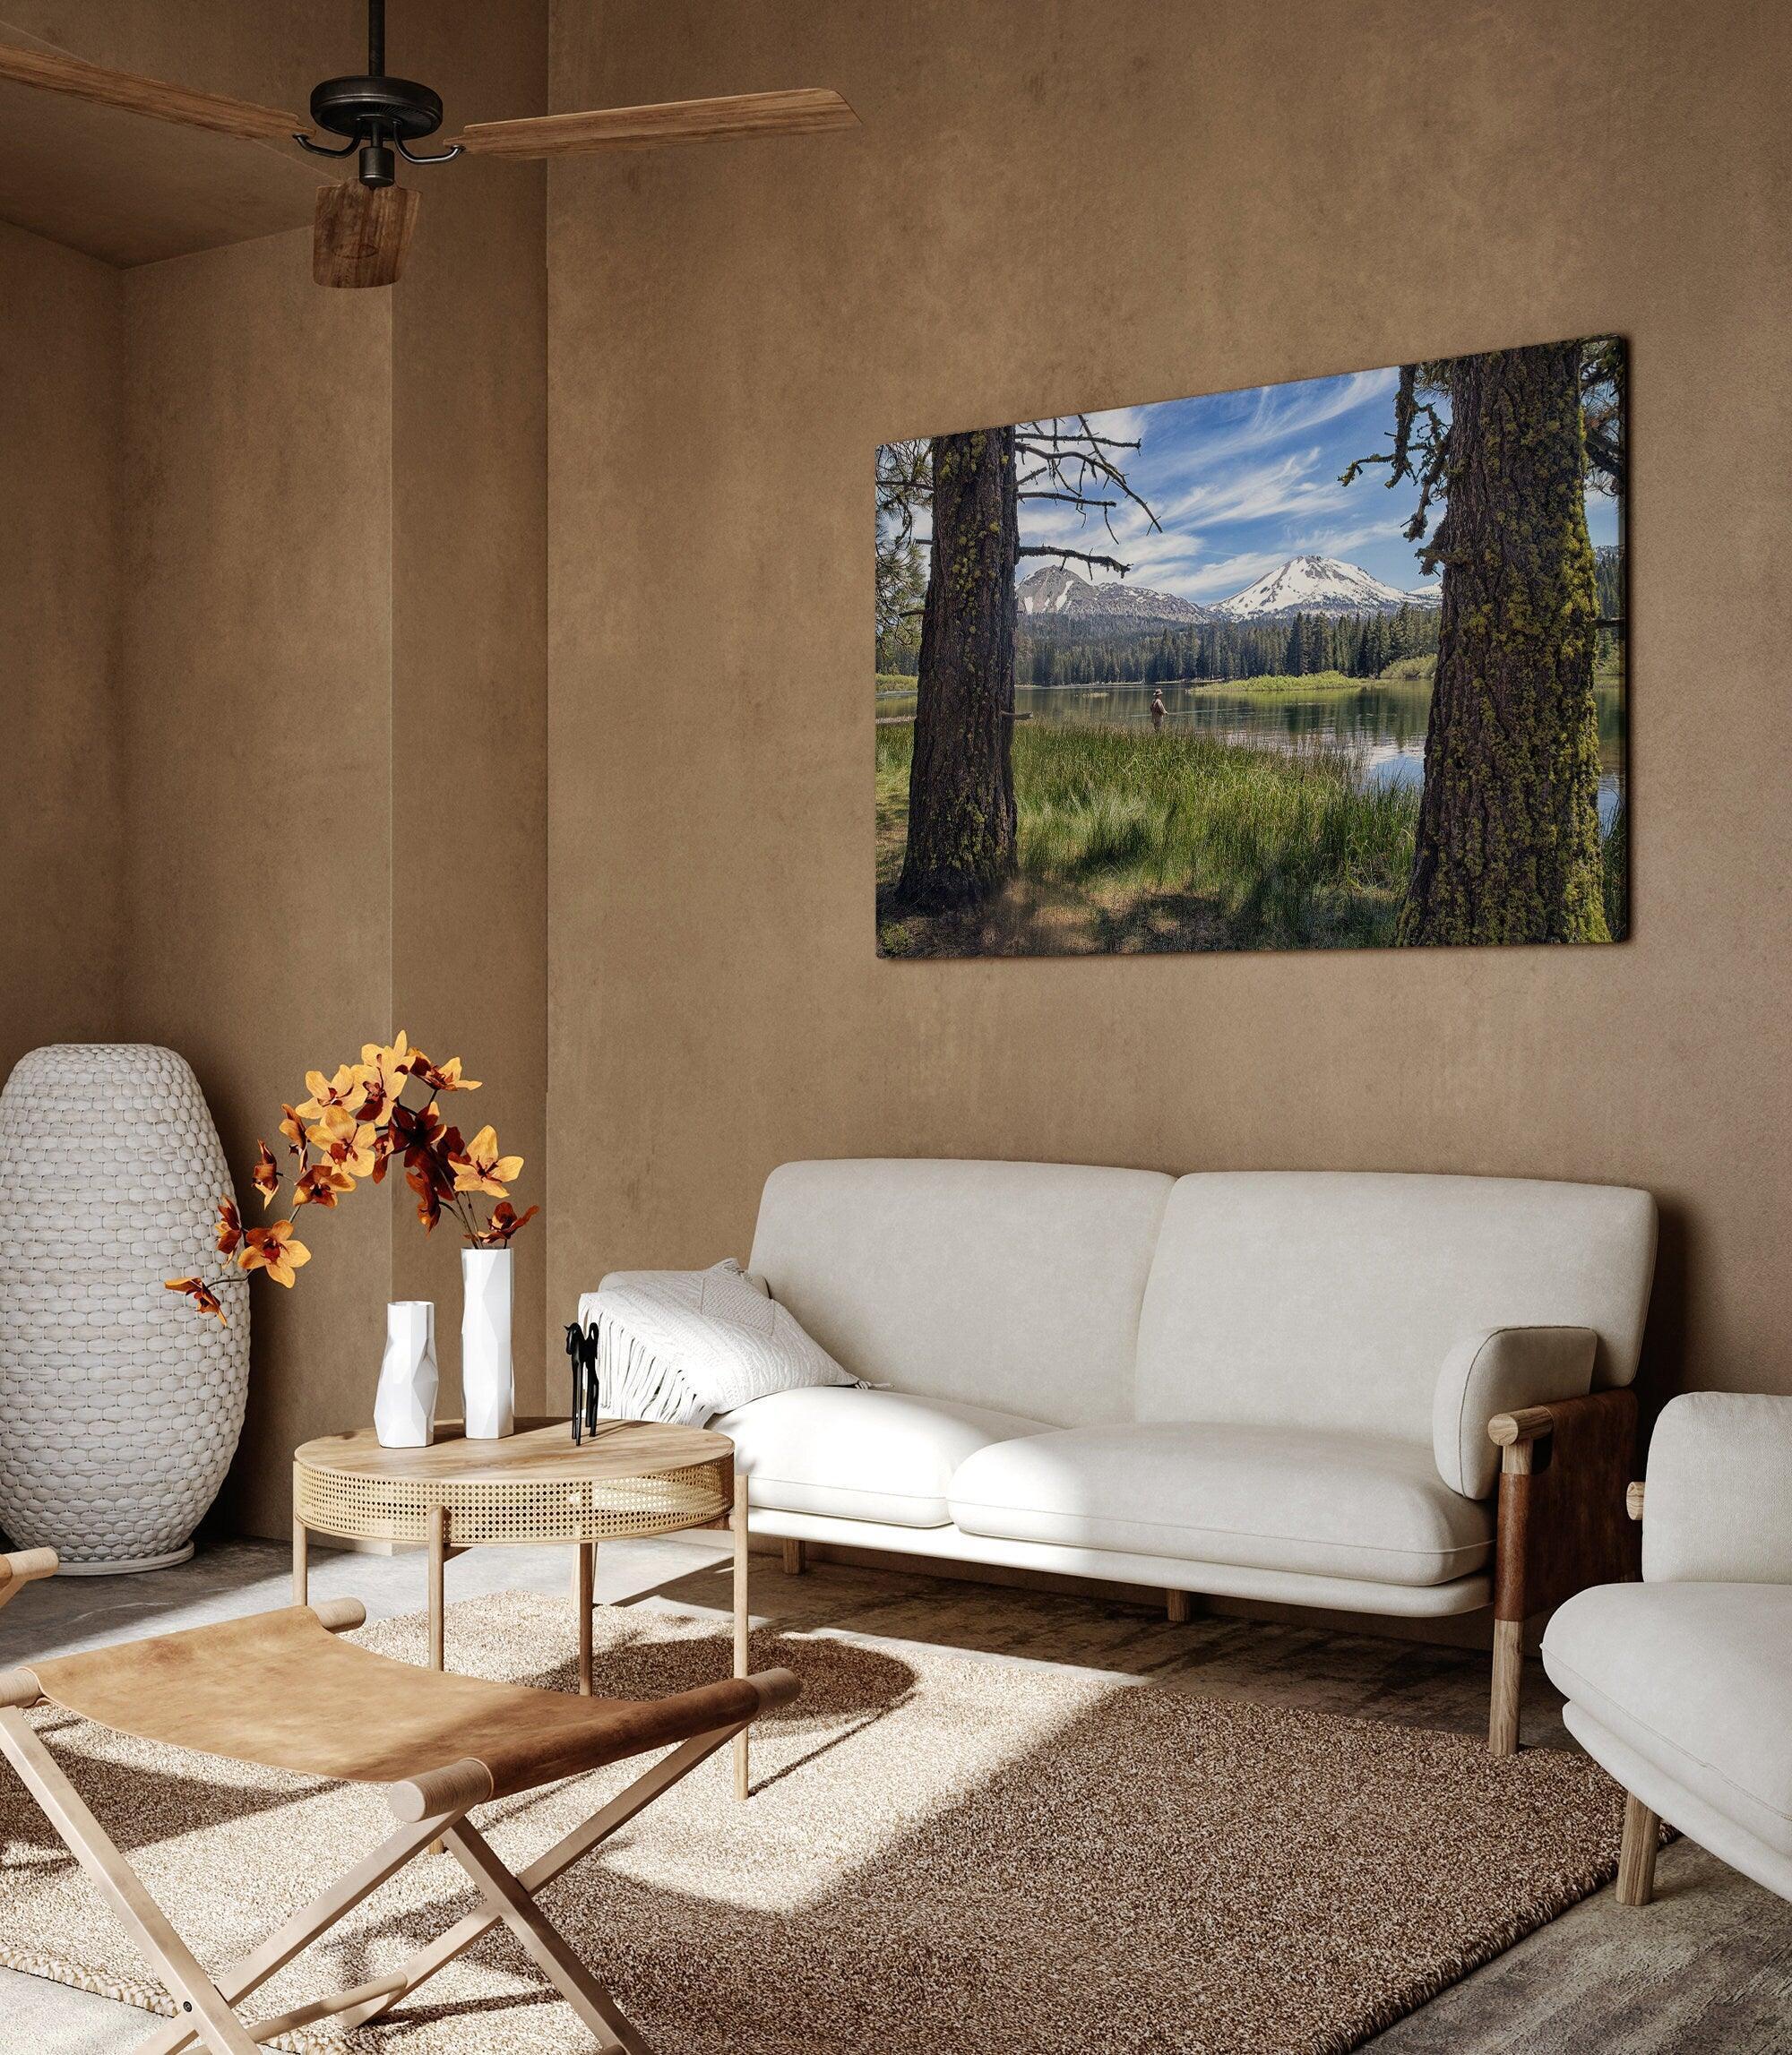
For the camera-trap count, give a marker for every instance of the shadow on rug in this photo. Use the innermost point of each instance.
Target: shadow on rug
(940, 1853)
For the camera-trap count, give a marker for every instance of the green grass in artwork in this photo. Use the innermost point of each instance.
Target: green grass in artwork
(1276, 681)
(1133, 841)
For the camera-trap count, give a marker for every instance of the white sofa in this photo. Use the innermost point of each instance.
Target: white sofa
(1681, 1686)
(1264, 1384)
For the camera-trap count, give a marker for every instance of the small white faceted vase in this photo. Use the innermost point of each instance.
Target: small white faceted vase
(404, 1411)
(488, 1385)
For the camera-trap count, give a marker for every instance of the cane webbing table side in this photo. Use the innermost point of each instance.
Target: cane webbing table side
(628, 1479)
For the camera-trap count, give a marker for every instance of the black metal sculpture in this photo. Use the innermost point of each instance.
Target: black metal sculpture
(582, 1349)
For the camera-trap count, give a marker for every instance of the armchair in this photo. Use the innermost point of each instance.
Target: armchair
(1679, 1685)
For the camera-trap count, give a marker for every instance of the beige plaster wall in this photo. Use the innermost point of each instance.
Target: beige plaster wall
(256, 673)
(1050, 209)
(469, 628)
(61, 834)
(319, 778)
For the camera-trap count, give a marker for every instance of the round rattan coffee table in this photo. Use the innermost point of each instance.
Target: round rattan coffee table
(626, 1478)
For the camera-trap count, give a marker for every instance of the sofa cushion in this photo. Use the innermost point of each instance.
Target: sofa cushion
(860, 1454)
(1011, 1285)
(1330, 1299)
(1328, 1505)
(1695, 1678)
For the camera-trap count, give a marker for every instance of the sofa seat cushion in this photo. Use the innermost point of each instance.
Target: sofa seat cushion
(861, 1455)
(1266, 1498)
(1696, 1678)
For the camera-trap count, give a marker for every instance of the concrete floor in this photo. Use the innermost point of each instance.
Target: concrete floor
(1707, 1968)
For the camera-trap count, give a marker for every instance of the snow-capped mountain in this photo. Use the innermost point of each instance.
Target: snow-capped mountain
(1055, 592)
(1319, 585)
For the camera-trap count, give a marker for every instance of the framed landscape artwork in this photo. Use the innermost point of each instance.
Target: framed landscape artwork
(1331, 665)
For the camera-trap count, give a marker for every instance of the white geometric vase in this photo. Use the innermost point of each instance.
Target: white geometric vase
(488, 1385)
(120, 1404)
(404, 1408)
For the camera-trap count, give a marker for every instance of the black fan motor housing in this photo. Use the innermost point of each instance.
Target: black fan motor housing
(357, 107)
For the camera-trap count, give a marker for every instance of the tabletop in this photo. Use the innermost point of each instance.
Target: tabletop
(540, 1451)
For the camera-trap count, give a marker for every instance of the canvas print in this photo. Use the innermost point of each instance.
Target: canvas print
(1331, 665)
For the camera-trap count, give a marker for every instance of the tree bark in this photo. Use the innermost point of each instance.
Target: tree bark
(1508, 842)
(961, 838)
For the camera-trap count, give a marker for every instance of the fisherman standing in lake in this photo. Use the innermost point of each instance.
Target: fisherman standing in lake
(1159, 709)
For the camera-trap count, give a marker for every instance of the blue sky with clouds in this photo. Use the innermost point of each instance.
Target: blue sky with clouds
(1243, 481)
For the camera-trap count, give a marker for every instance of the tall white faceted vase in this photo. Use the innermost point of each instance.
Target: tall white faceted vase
(120, 1404)
(487, 1379)
(404, 1408)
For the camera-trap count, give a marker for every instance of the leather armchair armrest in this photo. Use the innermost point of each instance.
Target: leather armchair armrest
(1497, 1371)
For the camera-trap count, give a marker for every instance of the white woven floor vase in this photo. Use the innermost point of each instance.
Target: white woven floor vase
(488, 1385)
(120, 1405)
(404, 1408)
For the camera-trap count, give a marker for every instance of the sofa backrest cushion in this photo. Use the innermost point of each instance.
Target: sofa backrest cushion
(1330, 1299)
(1010, 1284)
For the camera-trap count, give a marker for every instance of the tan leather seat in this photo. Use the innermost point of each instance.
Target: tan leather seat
(282, 1689)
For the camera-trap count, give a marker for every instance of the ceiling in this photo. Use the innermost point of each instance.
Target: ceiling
(132, 190)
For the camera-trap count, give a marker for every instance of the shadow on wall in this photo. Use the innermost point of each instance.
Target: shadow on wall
(1661, 1364)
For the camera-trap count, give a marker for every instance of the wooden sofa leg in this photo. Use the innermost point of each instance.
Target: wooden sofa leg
(795, 1557)
(1636, 1856)
(1179, 1608)
(1508, 1687)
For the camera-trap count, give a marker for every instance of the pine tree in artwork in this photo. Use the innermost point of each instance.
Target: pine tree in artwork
(1508, 844)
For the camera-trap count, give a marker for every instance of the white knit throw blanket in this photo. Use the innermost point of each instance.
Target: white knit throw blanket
(684, 1345)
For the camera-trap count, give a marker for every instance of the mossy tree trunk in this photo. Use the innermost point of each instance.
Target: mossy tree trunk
(960, 839)
(1508, 844)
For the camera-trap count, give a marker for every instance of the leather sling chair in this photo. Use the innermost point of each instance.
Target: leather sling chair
(280, 1688)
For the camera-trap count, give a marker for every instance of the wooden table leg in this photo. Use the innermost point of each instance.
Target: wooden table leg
(740, 1623)
(301, 1563)
(587, 1578)
(439, 1563)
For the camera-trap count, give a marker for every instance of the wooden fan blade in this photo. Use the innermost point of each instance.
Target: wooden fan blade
(52, 71)
(806, 111)
(361, 233)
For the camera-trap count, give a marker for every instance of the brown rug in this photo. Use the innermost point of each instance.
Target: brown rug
(942, 1854)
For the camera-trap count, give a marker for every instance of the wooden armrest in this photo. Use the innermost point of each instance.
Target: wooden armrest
(1633, 1500)
(16, 1571)
(1523, 1424)
(1561, 1523)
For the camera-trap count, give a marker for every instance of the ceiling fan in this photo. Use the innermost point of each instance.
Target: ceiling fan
(362, 226)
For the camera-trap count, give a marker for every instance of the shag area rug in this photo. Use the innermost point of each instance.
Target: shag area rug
(941, 1855)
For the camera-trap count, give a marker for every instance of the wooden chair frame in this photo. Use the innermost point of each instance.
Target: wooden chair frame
(430, 1807)
(1562, 1525)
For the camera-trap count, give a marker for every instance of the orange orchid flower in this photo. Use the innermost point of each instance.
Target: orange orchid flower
(441, 1077)
(346, 1142)
(293, 1128)
(319, 1186)
(347, 1088)
(385, 1146)
(428, 1196)
(274, 1251)
(504, 1222)
(479, 1167)
(204, 1299)
(229, 1227)
(266, 1176)
(383, 1072)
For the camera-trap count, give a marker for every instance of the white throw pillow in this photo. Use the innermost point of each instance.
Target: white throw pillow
(684, 1346)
